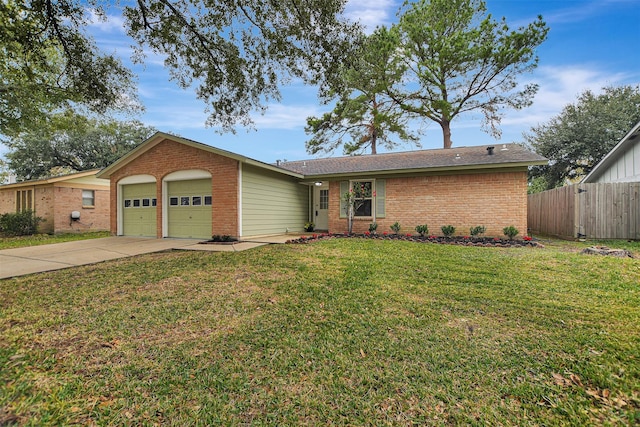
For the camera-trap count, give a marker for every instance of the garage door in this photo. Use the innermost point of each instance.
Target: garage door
(189, 208)
(139, 209)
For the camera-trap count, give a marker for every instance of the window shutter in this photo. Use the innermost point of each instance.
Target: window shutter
(380, 198)
(344, 187)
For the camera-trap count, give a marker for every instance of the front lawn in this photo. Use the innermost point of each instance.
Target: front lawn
(47, 239)
(338, 332)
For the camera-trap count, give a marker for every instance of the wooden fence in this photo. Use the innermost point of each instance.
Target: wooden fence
(594, 211)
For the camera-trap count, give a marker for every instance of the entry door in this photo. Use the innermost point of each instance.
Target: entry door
(321, 206)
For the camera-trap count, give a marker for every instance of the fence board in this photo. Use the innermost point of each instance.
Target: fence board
(595, 211)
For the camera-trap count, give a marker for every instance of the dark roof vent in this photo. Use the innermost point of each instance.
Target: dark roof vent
(490, 150)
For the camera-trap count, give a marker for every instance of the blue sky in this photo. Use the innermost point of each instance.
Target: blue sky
(591, 44)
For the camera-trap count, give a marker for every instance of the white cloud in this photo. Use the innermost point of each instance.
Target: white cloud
(371, 13)
(112, 23)
(280, 116)
(560, 86)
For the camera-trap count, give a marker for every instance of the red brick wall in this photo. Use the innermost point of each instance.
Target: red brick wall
(69, 199)
(495, 200)
(168, 156)
(55, 202)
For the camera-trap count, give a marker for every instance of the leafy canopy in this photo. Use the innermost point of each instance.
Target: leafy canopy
(582, 134)
(364, 114)
(71, 143)
(47, 63)
(459, 59)
(235, 54)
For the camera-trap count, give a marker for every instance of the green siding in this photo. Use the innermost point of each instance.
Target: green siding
(271, 203)
(139, 220)
(189, 221)
(344, 189)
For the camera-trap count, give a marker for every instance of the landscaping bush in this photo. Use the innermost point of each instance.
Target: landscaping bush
(395, 227)
(510, 232)
(19, 224)
(478, 230)
(448, 230)
(373, 227)
(422, 229)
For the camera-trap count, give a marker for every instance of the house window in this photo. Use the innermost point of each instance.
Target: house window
(154, 202)
(324, 199)
(173, 201)
(184, 201)
(136, 203)
(363, 205)
(196, 201)
(127, 203)
(207, 200)
(24, 200)
(146, 203)
(88, 198)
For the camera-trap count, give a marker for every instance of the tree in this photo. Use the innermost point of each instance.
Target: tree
(459, 60)
(48, 64)
(364, 112)
(72, 143)
(235, 53)
(582, 134)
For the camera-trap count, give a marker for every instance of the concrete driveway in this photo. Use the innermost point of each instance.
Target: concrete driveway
(36, 259)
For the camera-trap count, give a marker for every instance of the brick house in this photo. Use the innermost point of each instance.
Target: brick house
(174, 187)
(54, 200)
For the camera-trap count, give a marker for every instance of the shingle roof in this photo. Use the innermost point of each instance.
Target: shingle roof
(504, 155)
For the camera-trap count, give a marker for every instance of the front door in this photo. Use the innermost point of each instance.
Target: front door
(321, 206)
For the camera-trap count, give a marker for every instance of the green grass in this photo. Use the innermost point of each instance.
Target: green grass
(339, 332)
(46, 239)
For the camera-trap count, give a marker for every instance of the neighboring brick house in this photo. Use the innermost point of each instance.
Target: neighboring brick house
(174, 187)
(54, 200)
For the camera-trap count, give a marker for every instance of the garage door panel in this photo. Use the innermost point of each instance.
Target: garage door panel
(139, 210)
(188, 216)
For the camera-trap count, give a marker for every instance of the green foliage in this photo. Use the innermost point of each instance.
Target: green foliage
(309, 226)
(581, 135)
(448, 230)
(373, 227)
(477, 230)
(364, 113)
(23, 223)
(70, 143)
(463, 60)
(510, 232)
(422, 229)
(47, 63)
(395, 227)
(234, 54)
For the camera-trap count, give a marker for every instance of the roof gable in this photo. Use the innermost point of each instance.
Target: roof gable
(630, 140)
(159, 137)
(80, 177)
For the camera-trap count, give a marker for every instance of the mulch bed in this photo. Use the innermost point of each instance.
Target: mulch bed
(457, 240)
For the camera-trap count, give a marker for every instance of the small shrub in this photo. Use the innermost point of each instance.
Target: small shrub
(422, 229)
(309, 226)
(19, 224)
(478, 230)
(448, 230)
(396, 227)
(373, 227)
(510, 232)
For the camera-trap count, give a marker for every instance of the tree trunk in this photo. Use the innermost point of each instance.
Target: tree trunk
(446, 133)
(374, 138)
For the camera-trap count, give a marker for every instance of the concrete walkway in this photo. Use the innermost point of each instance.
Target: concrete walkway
(36, 259)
